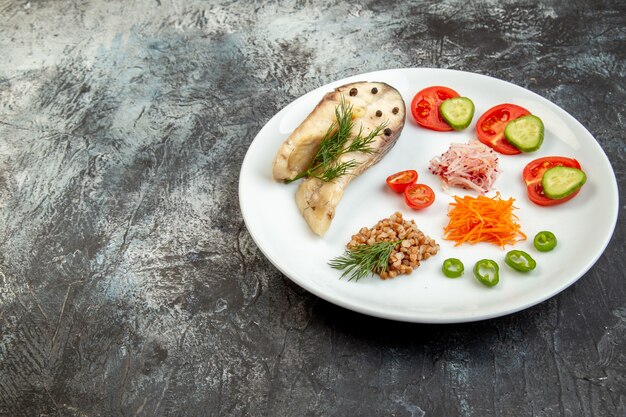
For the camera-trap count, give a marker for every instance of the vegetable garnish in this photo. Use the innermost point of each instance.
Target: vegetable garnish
(520, 261)
(336, 142)
(419, 196)
(533, 176)
(472, 166)
(490, 127)
(453, 268)
(559, 182)
(416, 196)
(457, 112)
(400, 180)
(425, 107)
(544, 241)
(487, 272)
(483, 219)
(525, 133)
(364, 260)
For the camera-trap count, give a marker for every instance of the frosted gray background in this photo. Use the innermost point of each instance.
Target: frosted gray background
(129, 285)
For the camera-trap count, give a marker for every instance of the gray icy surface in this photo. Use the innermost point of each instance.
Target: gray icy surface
(129, 285)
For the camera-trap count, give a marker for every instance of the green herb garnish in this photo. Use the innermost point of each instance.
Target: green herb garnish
(364, 260)
(335, 143)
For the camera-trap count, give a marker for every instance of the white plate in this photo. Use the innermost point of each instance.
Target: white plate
(583, 225)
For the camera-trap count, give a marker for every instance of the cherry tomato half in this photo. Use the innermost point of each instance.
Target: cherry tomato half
(400, 180)
(425, 107)
(533, 173)
(419, 196)
(490, 127)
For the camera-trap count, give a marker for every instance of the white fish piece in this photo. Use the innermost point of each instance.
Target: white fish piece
(373, 103)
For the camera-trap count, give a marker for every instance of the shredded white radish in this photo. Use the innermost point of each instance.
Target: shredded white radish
(472, 166)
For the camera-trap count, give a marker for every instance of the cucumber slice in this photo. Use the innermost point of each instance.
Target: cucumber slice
(457, 112)
(559, 182)
(525, 133)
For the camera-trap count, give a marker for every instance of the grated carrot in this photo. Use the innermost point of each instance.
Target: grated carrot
(483, 219)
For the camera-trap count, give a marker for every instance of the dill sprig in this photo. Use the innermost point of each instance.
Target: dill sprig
(325, 165)
(364, 260)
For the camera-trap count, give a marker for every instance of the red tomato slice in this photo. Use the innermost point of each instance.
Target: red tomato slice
(533, 173)
(536, 195)
(400, 180)
(419, 196)
(534, 170)
(490, 127)
(425, 107)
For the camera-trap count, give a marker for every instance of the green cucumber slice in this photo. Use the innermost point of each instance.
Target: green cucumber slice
(525, 133)
(559, 182)
(457, 112)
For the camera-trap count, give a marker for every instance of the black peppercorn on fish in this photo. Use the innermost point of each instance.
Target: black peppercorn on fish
(372, 104)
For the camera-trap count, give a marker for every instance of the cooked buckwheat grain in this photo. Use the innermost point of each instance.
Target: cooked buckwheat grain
(406, 256)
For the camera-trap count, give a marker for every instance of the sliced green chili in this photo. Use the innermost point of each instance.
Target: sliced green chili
(545, 241)
(520, 261)
(453, 268)
(487, 272)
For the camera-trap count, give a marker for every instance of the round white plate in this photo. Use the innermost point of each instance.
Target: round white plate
(583, 225)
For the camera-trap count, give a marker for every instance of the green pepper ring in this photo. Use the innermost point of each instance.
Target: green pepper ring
(486, 279)
(453, 268)
(520, 261)
(544, 241)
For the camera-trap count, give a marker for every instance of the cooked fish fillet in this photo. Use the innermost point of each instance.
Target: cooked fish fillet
(372, 103)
